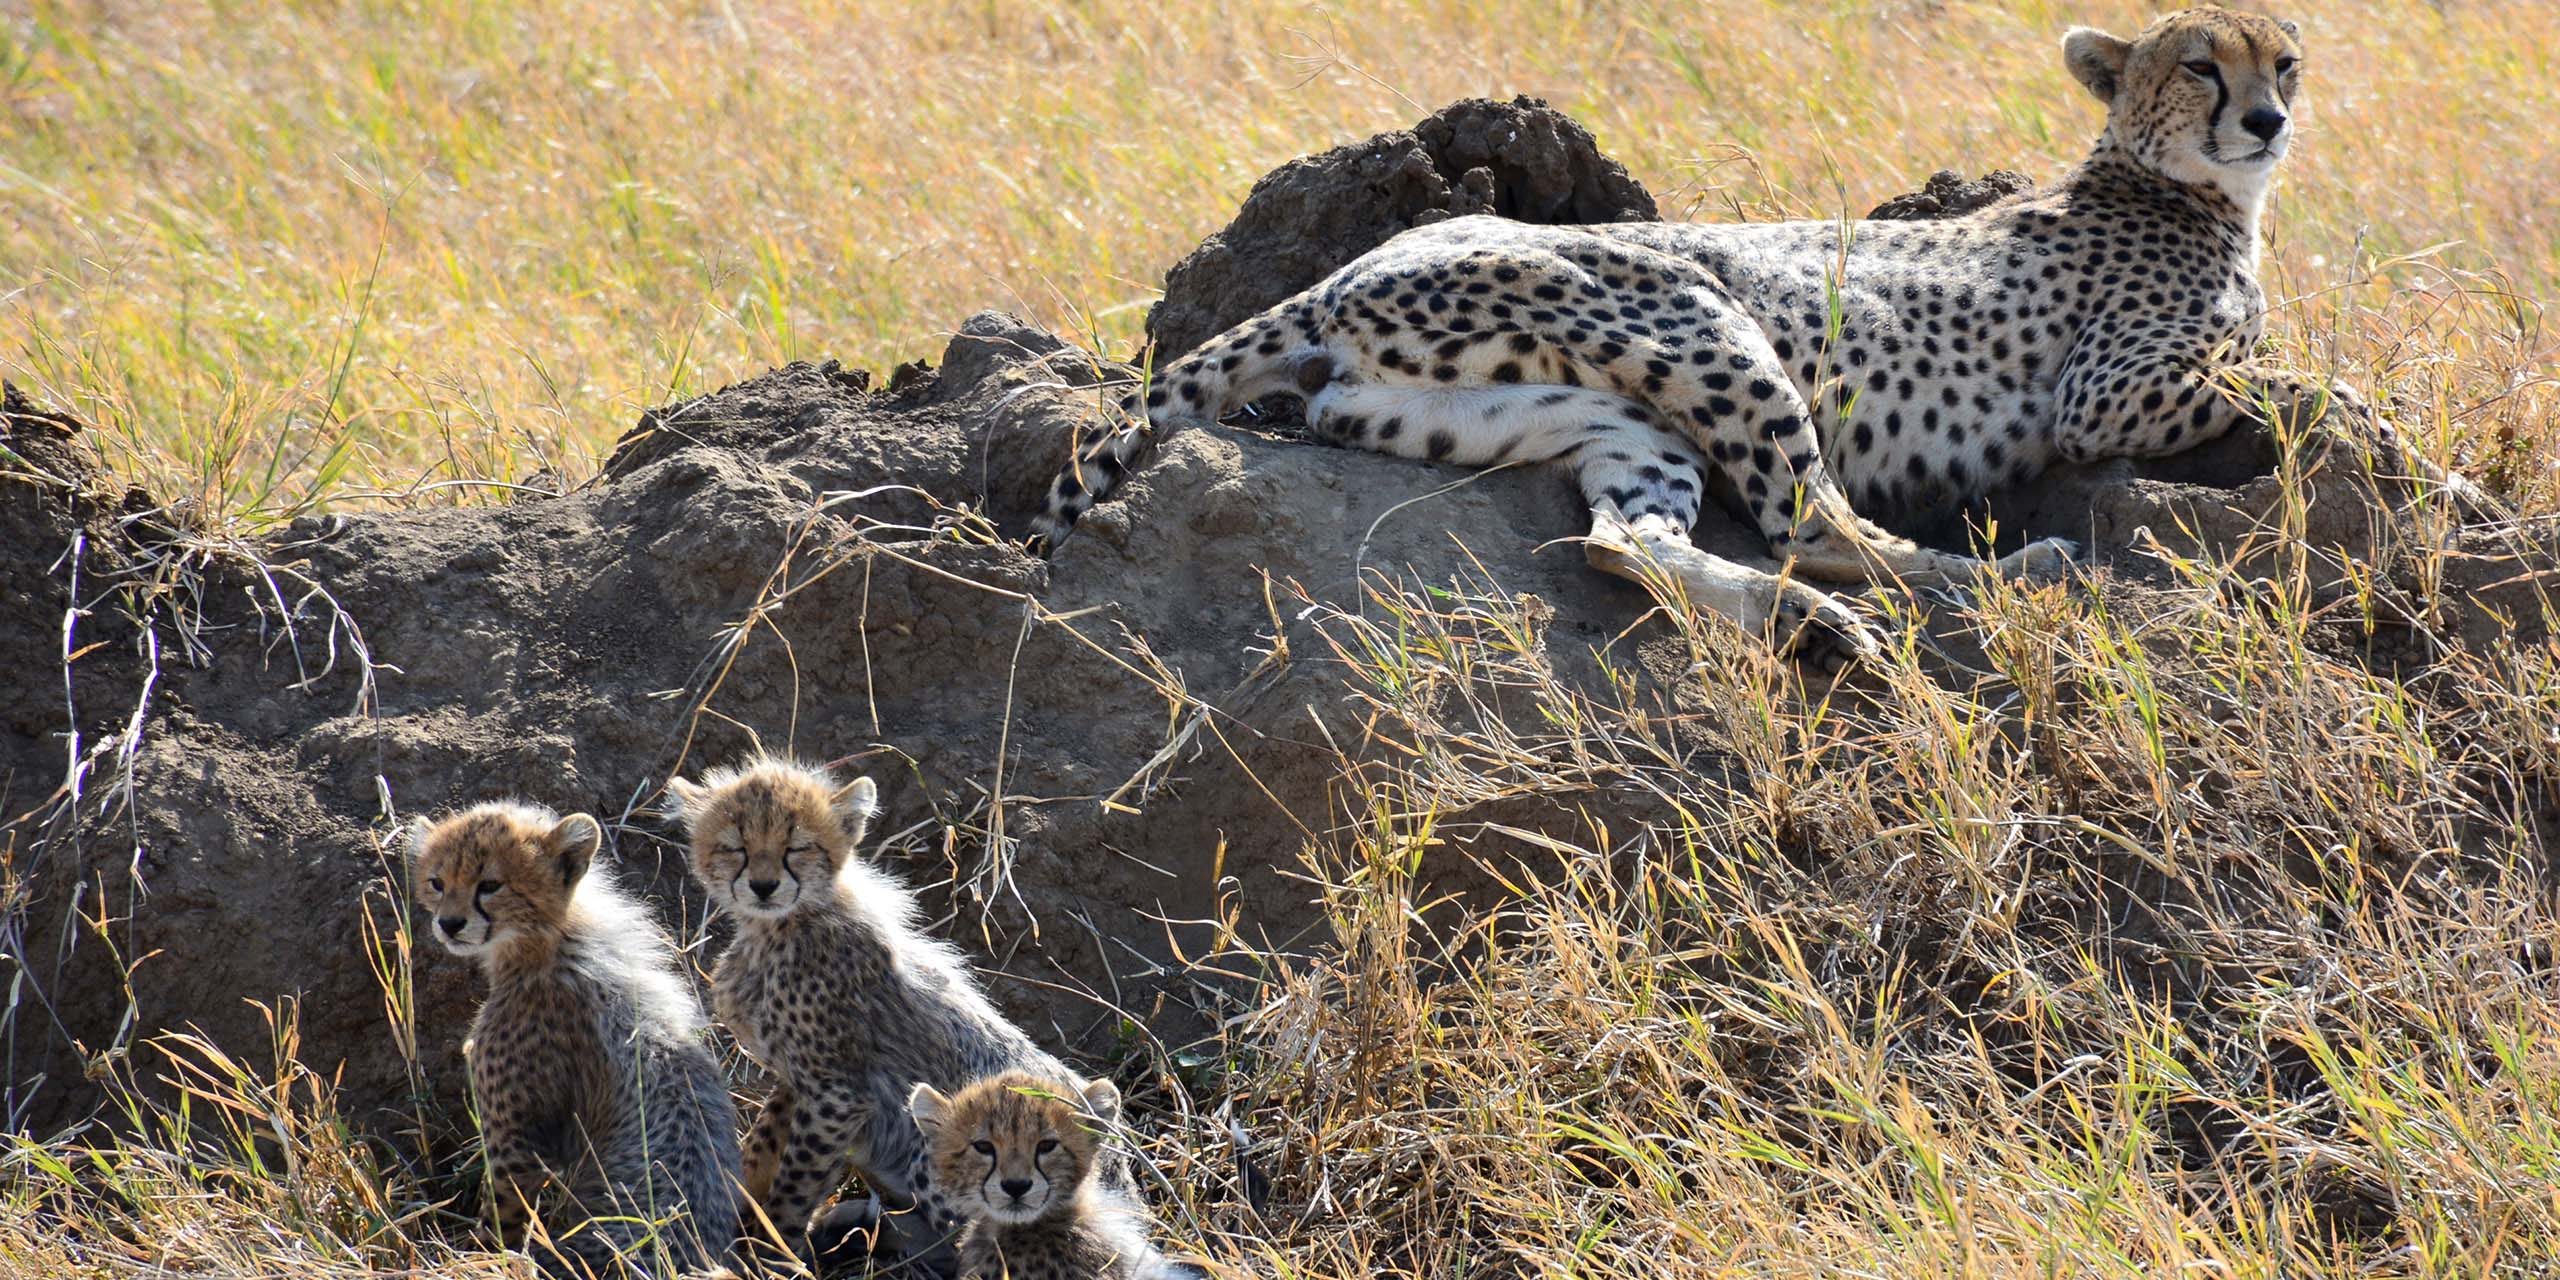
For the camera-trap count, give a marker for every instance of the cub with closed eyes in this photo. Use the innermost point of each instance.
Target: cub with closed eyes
(830, 984)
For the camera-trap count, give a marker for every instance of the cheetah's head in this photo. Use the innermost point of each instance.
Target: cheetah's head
(766, 832)
(1013, 1148)
(2204, 96)
(494, 872)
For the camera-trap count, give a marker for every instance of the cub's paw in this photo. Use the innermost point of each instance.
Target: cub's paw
(848, 1231)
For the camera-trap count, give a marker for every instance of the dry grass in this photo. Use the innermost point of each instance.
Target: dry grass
(2177, 941)
(2243, 969)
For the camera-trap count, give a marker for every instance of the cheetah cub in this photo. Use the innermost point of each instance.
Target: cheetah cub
(1017, 1157)
(587, 1059)
(830, 985)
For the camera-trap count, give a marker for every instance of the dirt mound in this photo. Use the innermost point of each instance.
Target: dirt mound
(1107, 762)
(1522, 159)
(1949, 194)
(560, 648)
(50, 497)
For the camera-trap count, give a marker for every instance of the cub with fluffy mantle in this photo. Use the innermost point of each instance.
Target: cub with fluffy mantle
(588, 1058)
(831, 986)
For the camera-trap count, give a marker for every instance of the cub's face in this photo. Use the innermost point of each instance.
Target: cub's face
(768, 837)
(2205, 96)
(498, 871)
(1012, 1148)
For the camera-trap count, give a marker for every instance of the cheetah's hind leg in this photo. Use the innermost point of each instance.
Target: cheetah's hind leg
(1644, 482)
(1798, 620)
(845, 1233)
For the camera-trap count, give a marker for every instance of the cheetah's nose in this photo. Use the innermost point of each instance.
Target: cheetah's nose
(764, 888)
(450, 926)
(1015, 1187)
(2265, 122)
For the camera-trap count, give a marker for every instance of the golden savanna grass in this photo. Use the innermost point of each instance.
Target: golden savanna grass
(315, 252)
(2176, 940)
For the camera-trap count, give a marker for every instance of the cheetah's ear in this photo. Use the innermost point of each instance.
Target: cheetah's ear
(2292, 30)
(410, 841)
(927, 1107)
(2096, 60)
(684, 801)
(1102, 1101)
(574, 842)
(854, 806)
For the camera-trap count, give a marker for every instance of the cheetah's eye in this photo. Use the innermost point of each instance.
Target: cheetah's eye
(1047, 1145)
(435, 884)
(2285, 66)
(2203, 68)
(983, 1147)
(490, 886)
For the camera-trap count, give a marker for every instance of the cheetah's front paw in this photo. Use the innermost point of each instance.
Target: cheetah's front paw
(1820, 631)
(2471, 503)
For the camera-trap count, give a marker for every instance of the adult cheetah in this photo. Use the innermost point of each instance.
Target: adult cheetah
(1810, 370)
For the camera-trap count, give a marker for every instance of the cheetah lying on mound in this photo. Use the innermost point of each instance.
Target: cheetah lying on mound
(1798, 366)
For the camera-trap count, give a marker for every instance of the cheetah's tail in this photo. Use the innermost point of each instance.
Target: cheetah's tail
(1273, 352)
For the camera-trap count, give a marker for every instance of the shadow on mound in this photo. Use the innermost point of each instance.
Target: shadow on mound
(1109, 763)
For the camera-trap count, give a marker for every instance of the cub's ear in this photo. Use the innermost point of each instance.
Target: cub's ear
(2096, 60)
(574, 842)
(928, 1107)
(684, 800)
(855, 805)
(2292, 30)
(1102, 1101)
(410, 841)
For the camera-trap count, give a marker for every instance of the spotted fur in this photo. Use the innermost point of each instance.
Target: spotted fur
(1807, 370)
(833, 988)
(588, 1058)
(1017, 1157)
